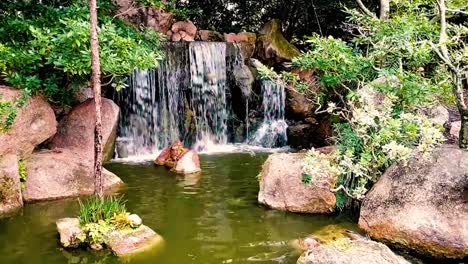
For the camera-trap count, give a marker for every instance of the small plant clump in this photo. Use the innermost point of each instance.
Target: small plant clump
(98, 217)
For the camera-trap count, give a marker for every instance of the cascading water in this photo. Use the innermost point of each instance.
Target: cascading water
(273, 130)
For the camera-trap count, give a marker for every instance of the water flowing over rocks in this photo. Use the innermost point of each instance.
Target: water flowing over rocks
(281, 186)
(422, 206)
(10, 187)
(63, 173)
(34, 123)
(348, 251)
(76, 130)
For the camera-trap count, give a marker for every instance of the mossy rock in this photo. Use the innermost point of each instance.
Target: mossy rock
(273, 45)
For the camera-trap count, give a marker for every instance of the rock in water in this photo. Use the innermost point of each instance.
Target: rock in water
(179, 159)
(347, 251)
(69, 230)
(422, 206)
(281, 186)
(76, 130)
(62, 173)
(34, 123)
(189, 163)
(10, 187)
(125, 242)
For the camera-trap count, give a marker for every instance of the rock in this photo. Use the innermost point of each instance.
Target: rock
(301, 136)
(246, 40)
(439, 115)
(298, 106)
(34, 123)
(10, 187)
(76, 130)
(176, 37)
(272, 46)
(189, 163)
(209, 35)
(184, 26)
(347, 251)
(455, 129)
(135, 220)
(62, 173)
(160, 20)
(83, 94)
(125, 243)
(69, 230)
(244, 79)
(96, 247)
(422, 206)
(281, 186)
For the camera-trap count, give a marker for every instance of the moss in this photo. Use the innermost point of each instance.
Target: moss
(22, 173)
(6, 189)
(283, 47)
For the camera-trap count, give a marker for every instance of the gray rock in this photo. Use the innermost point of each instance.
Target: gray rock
(347, 251)
(10, 187)
(34, 123)
(281, 186)
(62, 173)
(422, 206)
(69, 230)
(135, 220)
(125, 242)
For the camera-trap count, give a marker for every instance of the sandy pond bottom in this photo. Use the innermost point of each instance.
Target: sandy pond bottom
(211, 218)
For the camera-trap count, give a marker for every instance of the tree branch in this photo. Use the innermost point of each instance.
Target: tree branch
(365, 9)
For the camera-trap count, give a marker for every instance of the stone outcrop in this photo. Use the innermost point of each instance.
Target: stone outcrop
(246, 40)
(76, 130)
(281, 186)
(183, 31)
(272, 47)
(349, 251)
(422, 206)
(210, 35)
(62, 173)
(34, 123)
(69, 230)
(10, 187)
(124, 243)
(179, 159)
(160, 20)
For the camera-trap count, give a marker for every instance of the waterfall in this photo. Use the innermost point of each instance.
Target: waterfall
(272, 131)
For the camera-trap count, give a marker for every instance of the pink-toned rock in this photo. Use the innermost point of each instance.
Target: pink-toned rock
(210, 35)
(281, 186)
(69, 230)
(63, 173)
(10, 187)
(188, 38)
(455, 129)
(188, 164)
(163, 156)
(176, 37)
(125, 243)
(231, 38)
(160, 20)
(186, 26)
(34, 123)
(76, 130)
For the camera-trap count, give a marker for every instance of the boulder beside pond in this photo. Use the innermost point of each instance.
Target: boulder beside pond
(10, 187)
(422, 206)
(179, 159)
(62, 173)
(282, 188)
(34, 123)
(128, 242)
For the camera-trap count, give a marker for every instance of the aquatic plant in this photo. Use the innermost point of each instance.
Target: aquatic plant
(95, 209)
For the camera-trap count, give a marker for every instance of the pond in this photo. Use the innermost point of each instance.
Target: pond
(212, 218)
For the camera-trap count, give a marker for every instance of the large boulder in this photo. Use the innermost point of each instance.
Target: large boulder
(272, 46)
(179, 159)
(76, 130)
(189, 163)
(124, 242)
(422, 206)
(349, 251)
(281, 186)
(34, 123)
(183, 31)
(10, 187)
(62, 173)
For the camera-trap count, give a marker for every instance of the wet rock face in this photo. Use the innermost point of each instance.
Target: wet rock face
(76, 130)
(69, 230)
(348, 251)
(422, 206)
(62, 173)
(281, 186)
(10, 187)
(125, 243)
(179, 159)
(34, 123)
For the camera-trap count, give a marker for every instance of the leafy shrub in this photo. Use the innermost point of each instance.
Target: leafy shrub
(94, 209)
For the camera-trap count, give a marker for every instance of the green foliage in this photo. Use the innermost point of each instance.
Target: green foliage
(95, 233)
(306, 178)
(9, 110)
(121, 221)
(44, 48)
(94, 209)
(23, 174)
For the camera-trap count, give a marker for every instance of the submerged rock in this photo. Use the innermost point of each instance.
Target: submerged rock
(348, 251)
(76, 130)
(34, 123)
(69, 230)
(62, 173)
(10, 187)
(128, 242)
(422, 206)
(281, 186)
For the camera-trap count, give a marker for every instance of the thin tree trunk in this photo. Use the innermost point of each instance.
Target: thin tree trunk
(384, 9)
(96, 84)
(464, 131)
(365, 9)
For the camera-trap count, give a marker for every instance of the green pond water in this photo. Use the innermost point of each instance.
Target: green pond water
(213, 218)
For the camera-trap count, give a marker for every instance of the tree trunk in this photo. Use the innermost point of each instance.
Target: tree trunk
(464, 131)
(384, 9)
(96, 84)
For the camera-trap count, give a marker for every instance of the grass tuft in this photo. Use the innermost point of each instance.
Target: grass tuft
(94, 209)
